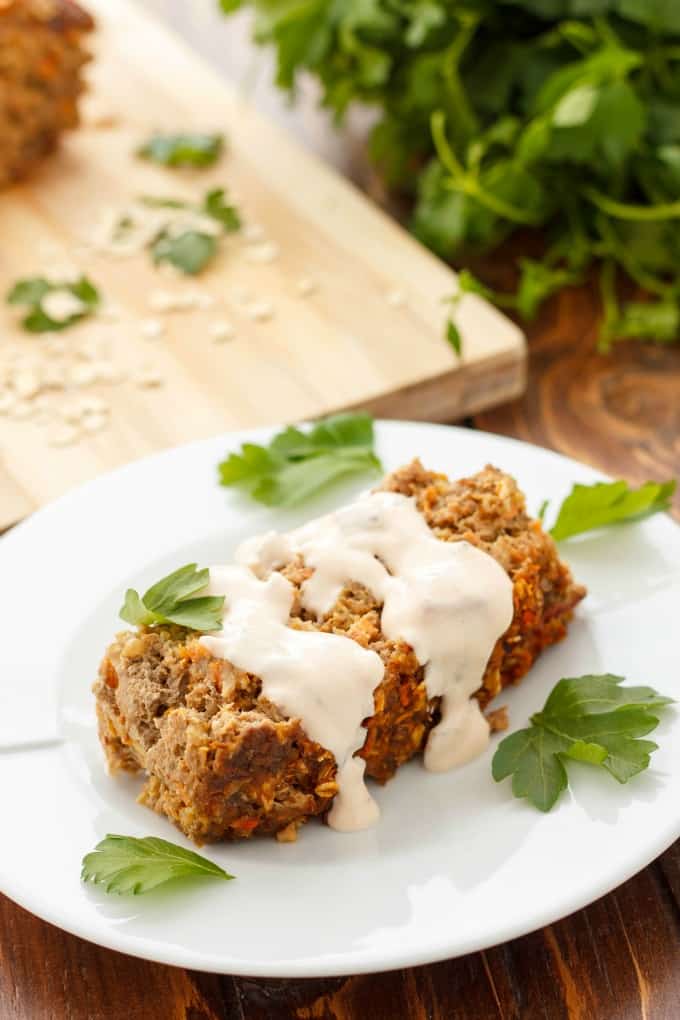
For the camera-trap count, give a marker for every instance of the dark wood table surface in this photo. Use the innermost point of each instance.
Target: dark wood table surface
(619, 959)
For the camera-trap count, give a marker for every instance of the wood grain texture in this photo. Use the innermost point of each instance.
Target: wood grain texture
(619, 412)
(346, 344)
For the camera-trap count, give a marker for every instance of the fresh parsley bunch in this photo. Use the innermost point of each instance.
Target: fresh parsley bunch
(502, 114)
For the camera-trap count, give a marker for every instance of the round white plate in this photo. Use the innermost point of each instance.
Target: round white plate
(455, 864)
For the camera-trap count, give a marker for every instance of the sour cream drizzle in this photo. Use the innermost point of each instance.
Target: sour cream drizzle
(449, 600)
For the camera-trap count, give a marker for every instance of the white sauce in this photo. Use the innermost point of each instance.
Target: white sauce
(449, 600)
(325, 680)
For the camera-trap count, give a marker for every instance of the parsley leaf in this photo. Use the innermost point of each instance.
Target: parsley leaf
(296, 464)
(187, 238)
(41, 296)
(169, 601)
(453, 337)
(588, 718)
(189, 251)
(215, 205)
(195, 149)
(596, 506)
(126, 864)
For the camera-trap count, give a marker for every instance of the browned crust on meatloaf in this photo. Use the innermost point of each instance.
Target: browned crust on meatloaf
(223, 762)
(41, 57)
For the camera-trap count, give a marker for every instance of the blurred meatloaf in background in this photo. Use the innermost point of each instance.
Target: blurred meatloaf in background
(224, 762)
(41, 57)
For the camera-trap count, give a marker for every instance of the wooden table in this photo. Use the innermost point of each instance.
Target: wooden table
(619, 959)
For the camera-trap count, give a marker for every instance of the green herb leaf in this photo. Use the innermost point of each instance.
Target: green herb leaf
(596, 506)
(453, 337)
(215, 205)
(32, 292)
(127, 864)
(194, 149)
(589, 718)
(189, 251)
(491, 117)
(170, 601)
(297, 464)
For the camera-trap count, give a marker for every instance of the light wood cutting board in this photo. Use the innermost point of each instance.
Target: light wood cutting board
(370, 335)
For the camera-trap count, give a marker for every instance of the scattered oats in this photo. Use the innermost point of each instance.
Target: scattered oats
(60, 305)
(64, 435)
(306, 286)
(220, 332)
(261, 253)
(252, 233)
(7, 402)
(26, 383)
(53, 376)
(149, 378)
(260, 311)
(396, 298)
(94, 422)
(107, 372)
(152, 329)
(71, 413)
(88, 405)
(83, 375)
(178, 301)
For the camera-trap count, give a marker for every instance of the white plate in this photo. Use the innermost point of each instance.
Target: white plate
(456, 864)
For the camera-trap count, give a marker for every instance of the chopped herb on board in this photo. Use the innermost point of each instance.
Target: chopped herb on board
(53, 305)
(192, 149)
(296, 464)
(593, 719)
(127, 864)
(184, 234)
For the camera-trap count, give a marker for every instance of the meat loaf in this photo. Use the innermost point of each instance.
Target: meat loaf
(41, 57)
(223, 762)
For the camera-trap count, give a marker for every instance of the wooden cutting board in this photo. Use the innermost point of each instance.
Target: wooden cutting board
(370, 334)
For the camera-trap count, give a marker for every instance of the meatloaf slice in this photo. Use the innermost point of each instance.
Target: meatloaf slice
(223, 762)
(41, 57)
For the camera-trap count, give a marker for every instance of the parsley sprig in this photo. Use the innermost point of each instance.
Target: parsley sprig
(32, 292)
(589, 507)
(171, 600)
(496, 117)
(590, 719)
(189, 149)
(296, 465)
(127, 864)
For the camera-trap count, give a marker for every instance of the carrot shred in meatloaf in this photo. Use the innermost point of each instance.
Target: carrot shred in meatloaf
(223, 762)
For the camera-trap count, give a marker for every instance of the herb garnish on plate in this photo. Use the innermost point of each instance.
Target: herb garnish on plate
(295, 465)
(190, 149)
(126, 864)
(592, 719)
(53, 305)
(170, 601)
(589, 507)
